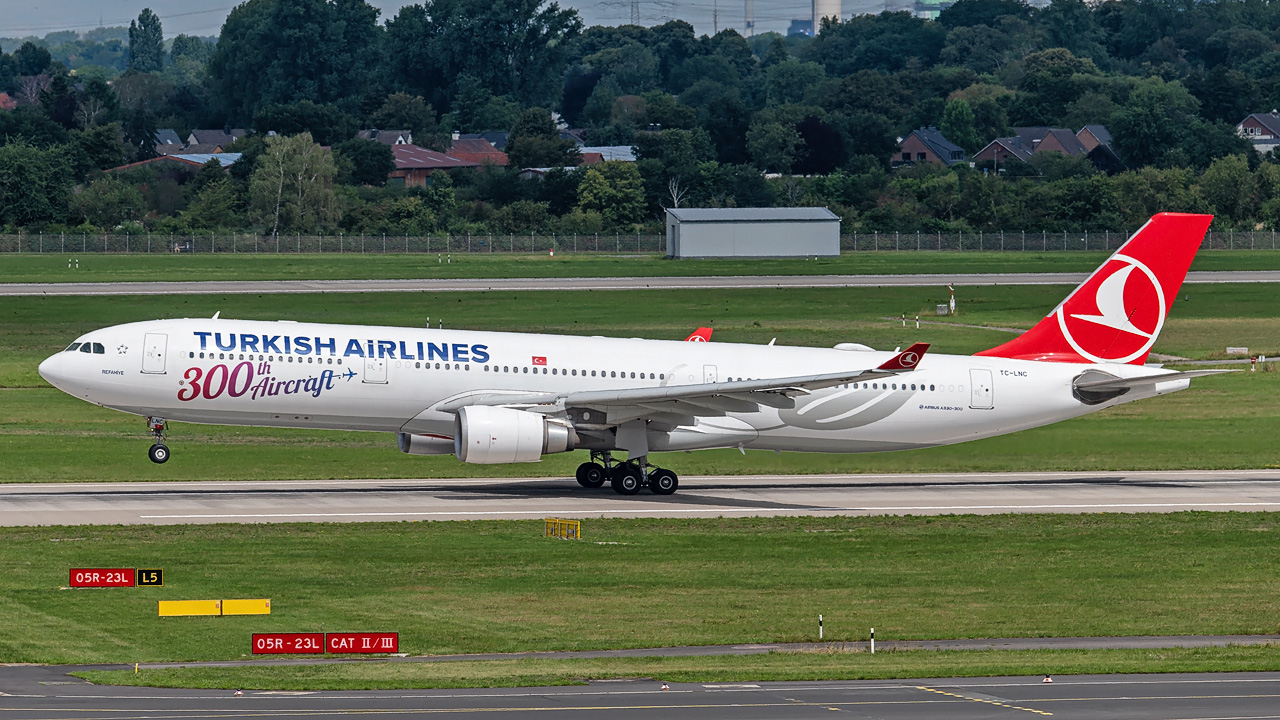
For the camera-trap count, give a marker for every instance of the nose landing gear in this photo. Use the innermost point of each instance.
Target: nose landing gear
(159, 452)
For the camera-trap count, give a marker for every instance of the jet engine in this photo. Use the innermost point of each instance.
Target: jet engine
(425, 444)
(488, 435)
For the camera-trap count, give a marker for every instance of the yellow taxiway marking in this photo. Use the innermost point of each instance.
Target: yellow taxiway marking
(981, 700)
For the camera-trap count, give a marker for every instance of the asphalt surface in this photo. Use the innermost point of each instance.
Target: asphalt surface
(232, 287)
(32, 693)
(165, 503)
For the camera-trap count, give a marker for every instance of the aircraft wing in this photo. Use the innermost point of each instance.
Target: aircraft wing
(678, 404)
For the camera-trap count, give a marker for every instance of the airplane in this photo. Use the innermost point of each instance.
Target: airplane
(495, 397)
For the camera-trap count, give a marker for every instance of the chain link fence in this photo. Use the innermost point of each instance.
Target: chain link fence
(248, 243)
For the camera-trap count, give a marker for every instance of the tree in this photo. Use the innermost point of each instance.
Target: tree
(615, 190)
(327, 123)
(292, 184)
(214, 207)
(513, 47)
(140, 133)
(535, 142)
(32, 59)
(193, 48)
(146, 42)
(100, 146)
(97, 104)
(107, 202)
(363, 162)
(957, 125)
(33, 184)
(1229, 188)
(1154, 119)
(402, 111)
(285, 51)
(773, 146)
(790, 81)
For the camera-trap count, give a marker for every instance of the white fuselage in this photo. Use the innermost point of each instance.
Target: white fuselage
(391, 379)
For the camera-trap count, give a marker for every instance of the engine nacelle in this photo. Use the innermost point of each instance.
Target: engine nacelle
(425, 444)
(491, 435)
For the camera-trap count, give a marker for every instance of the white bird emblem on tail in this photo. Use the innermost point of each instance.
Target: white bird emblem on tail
(1110, 299)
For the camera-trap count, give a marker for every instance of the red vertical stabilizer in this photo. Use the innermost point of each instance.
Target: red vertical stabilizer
(1116, 315)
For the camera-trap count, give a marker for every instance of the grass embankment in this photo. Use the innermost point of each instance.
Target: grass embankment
(1224, 422)
(120, 268)
(500, 587)
(752, 668)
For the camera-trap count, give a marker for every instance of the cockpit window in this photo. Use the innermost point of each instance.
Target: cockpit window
(98, 349)
(72, 347)
(86, 348)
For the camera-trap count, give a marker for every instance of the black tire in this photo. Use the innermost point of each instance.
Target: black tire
(626, 479)
(663, 482)
(591, 475)
(158, 453)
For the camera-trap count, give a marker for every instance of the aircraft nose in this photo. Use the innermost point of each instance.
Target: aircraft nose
(51, 370)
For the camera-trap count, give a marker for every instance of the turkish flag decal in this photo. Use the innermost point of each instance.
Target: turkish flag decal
(539, 360)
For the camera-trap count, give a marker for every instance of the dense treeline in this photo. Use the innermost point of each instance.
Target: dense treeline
(716, 120)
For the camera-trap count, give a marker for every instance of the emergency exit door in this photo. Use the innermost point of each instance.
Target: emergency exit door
(154, 349)
(981, 391)
(709, 374)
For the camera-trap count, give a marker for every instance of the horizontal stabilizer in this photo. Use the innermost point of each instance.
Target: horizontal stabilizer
(1118, 383)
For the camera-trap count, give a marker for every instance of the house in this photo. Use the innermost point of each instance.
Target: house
(199, 148)
(1261, 129)
(477, 150)
(414, 165)
(539, 173)
(929, 145)
(188, 160)
(1002, 150)
(6, 102)
(1091, 136)
(608, 153)
(497, 139)
(387, 137)
(167, 136)
(1029, 140)
(225, 136)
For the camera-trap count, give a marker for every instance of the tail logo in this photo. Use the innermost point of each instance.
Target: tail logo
(909, 359)
(1130, 304)
(697, 338)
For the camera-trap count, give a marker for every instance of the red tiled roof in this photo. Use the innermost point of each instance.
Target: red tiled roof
(478, 150)
(412, 157)
(6, 102)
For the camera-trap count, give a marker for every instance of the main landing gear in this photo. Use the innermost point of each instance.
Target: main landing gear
(159, 452)
(626, 478)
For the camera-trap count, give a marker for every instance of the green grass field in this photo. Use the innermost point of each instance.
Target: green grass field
(498, 586)
(118, 268)
(1224, 422)
(790, 667)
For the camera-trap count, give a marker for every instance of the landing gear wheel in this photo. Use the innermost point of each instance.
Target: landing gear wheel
(158, 453)
(663, 482)
(591, 475)
(626, 479)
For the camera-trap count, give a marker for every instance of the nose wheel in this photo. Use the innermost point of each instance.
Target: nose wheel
(159, 452)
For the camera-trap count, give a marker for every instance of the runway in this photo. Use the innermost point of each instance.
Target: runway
(272, 287)
(37, 693)
(168, 503)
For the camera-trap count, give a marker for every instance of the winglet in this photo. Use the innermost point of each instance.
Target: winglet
(907, 359)
(702, 334)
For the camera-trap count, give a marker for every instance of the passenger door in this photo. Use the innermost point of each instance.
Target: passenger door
(154, 349)
(375, 370)
(980, 397)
